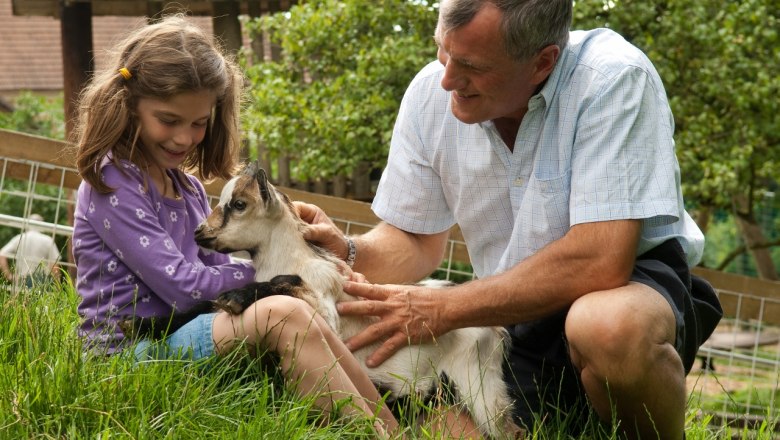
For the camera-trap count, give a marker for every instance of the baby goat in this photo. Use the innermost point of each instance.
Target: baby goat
(253, 216)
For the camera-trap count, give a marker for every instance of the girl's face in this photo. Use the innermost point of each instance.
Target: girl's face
(171, 129)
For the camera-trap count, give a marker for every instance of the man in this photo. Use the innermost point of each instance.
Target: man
(36, 257)
(553, 152)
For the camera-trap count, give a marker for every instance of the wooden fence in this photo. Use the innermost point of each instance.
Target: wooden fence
(757, 299)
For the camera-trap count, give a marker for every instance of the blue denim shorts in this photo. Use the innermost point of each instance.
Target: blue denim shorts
(193, 341)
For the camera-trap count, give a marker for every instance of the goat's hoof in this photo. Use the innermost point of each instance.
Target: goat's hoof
(128, 327)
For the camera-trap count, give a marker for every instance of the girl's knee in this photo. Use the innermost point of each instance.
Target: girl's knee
(280, 305)
(274, 318)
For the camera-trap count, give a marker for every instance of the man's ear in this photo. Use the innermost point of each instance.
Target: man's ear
(544, 62)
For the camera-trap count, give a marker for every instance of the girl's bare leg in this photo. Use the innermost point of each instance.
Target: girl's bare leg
(311, 354)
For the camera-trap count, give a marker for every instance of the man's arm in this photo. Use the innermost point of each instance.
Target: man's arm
(385, 254)
(590, 257)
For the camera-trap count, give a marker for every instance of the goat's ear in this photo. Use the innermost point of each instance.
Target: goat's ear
(262, 183)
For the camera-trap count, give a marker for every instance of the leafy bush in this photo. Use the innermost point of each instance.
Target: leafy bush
(36, 114)
(331, 100)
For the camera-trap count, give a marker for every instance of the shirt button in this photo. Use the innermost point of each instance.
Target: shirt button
(519, 181)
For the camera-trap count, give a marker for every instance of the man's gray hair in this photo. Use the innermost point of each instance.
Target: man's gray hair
(527, 26)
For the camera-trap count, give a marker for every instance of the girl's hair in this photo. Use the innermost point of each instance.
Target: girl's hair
(164, 59)
(527, 26)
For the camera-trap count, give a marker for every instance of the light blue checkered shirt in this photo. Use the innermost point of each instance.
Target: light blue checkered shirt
(595, 145)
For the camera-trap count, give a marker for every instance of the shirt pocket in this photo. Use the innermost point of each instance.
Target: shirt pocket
(545, 209)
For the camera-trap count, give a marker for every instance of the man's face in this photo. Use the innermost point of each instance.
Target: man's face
(485, 83)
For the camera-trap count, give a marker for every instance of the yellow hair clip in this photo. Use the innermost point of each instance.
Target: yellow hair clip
(125, 73)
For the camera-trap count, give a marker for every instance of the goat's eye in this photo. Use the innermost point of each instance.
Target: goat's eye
(239, 205)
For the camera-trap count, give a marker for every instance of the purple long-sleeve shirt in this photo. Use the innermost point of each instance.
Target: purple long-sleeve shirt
(135, 253)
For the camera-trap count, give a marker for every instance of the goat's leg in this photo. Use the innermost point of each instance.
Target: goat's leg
(232, 301)
(237, 300)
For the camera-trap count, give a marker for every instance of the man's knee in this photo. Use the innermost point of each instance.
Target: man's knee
(608, 327)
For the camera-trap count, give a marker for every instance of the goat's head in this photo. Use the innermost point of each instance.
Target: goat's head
(249, 209)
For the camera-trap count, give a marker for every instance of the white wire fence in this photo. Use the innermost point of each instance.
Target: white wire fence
(736, 380)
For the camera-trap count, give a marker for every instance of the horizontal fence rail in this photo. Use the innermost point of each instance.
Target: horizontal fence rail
(735, 380)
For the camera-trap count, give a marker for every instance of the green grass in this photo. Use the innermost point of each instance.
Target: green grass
(50, 389)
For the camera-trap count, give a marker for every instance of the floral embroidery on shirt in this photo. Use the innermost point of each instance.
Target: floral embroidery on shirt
(238, 275)
(106, 224)
(174, 217)
(129, 279)
(146, 298)
(112, 265)
(196, 294)
(120, 254)
(141, 189)
(170, 270)
(91, 208)
(114, 200)
(140, 213)
(112, 310)
(77, 243)
(158, 206)
(144, 240)
(214, 270)
(168, 244)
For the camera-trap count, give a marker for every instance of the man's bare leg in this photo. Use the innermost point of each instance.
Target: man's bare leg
(622, 342)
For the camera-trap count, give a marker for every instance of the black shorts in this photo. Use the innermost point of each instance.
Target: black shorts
(541, 378)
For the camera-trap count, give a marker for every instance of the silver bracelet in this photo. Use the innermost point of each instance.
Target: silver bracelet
(351, 251)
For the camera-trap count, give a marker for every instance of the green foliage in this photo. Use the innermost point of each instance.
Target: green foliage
(331, 100)
(36, 114)
(51, 388)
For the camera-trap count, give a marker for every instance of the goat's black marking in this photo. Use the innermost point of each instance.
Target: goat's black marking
(226, 211)
(232, 301)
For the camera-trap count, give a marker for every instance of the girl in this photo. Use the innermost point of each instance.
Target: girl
(169, 103)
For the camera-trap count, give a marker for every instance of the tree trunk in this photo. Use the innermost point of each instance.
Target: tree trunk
(702, 217)
(340, 186)
(754, 237)
(361, 182)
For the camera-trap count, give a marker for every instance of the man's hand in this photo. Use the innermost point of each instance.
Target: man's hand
(322, 231)
(408, 315)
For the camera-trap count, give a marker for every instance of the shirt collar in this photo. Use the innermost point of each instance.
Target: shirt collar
(550, 87)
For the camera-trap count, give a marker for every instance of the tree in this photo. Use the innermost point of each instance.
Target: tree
(330, 101)
(720, 63)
